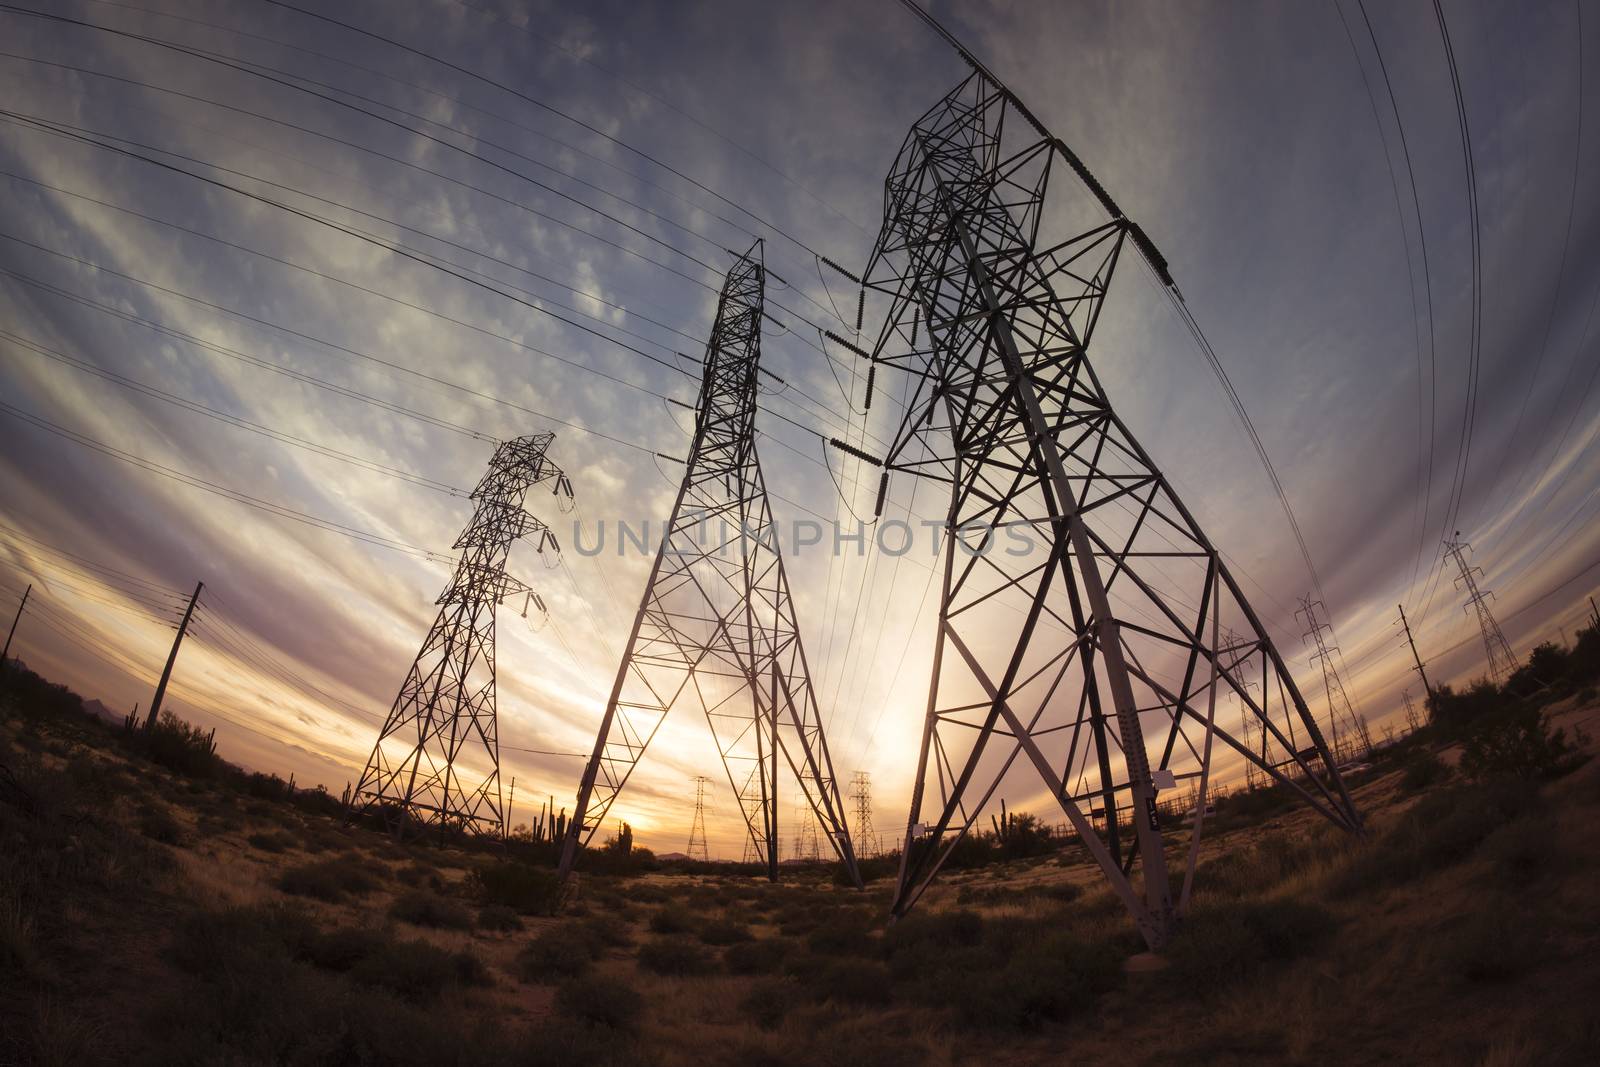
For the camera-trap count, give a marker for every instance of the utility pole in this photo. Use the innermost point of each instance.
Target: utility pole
(416, 773)
(1426, 688)
(1595, 617)
(511, 800)
(1495, 645)
(172, 657)
(25, 594)
(698, 849)
(717, 627)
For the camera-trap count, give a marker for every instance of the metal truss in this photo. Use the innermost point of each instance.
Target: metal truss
(1502, 662)
(716, 627)
(1081, 604)
(419, 772)
(1339, 704)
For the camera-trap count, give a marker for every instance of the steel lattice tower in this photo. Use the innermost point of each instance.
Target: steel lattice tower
(716, 627)
(698, 849)
(1495, 645)
(1096, 653)
(418, 770)
(866, 838)
(1339, 704)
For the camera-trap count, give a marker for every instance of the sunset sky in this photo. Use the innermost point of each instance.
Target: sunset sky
(196, 385)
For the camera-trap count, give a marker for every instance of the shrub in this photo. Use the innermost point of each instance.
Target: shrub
(601, 1002)
(606, 931)
(675, 955)
(179, 747)
(422, 908)
(158, 824)
(1227, 943)
(341, 949)
(418, 971)
(498, 917)
(1518, 744)
(948, 928)
(647, 894)
(559, 952)
(1423, 770)
(757, 957)
(724, 932)
(849, 982)
(529, 890)
(672, 919)
(1495, 945)
(270, 841)
(1521, 851)
(769, 1001)
(419, 874)
(330, 880)
(591, 1046)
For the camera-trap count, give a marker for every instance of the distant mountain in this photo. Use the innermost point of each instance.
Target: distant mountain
(100, 711)
(672, 856)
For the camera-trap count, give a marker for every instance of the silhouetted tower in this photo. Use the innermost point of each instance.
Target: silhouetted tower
(437, 759)
(716, 627)
(1340, 709)
(172, 657)
(1110, 620)
(1233, 661)
(1495, 645)
(698, 849)
(21, 606)
(866, 837)
(805, 835)
(1413, 720)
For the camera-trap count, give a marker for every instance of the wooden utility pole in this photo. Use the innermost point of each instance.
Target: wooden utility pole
(14, 622)
(1426, 688)
(172, 657)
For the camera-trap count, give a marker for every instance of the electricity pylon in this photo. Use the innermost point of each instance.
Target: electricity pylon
(1339, 705)
(1495, 645)
(805, 835)
(698, 850)
(437, 759)
(716, 627)
(1103, 631)
(866, 838)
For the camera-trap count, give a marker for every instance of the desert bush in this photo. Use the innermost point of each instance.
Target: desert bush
(179, 747)
(939, 929)
(1496, 944)
(340, 949)
(672, 919)
(329, 880)
(270, 841)
(559, 952)
(603, 1002)
(1002, 893)
(848, 982)
(419, 971)
(769, 1001)
(646, 894)
(1423, 770)
(757, 957)
(1523, 850)
(843, 933)
(591, 1046)
(423, 908)
(606, 931)
(499, 918)
(1518, 744)
(421, 875)
(1230, 942)
(723, 932)
(1441, 829)
(529, 890)
(158, 824)
(675, 955)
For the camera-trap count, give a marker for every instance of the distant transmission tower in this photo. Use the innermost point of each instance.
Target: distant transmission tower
(437, 759)
(1339, 705)
(716, 628)
(1413, 720)
(1112, 620)
(697, 849)
(866, 838)
(1495, 645)
(805, 835)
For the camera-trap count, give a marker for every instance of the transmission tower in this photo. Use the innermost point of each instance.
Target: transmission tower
(419, 771)
(716, 627)
(805, 835)
(1111, 622)
(866, 838)
(1339, 705)
(1495, 645)
(698, 849)
(1413, 720)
